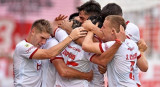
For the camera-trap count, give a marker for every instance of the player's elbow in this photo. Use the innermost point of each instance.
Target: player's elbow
(63, 73)
(85, 47)
(144, 69)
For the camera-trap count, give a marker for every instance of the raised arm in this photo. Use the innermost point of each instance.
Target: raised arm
(88, 25)
(89, 46)
(68, 72)
(142, 62)
(55, 50)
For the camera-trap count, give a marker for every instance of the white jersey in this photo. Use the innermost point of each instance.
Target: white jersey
(27, 71)
(98, 78)
(49, 71)
(120, 68)
(132, 32)
(76, 58)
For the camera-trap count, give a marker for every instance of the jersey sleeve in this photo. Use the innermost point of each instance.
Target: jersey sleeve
(27, 50)
(60, 34)
(89, 56)
(104, 46)
(57, 57)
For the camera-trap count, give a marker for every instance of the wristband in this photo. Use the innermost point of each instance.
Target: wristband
(118, 41)
(70, 37)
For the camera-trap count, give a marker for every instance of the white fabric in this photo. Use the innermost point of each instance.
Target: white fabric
(27, 71)
(132, 31)
(98, 78)
(119, 68)
(49, 71)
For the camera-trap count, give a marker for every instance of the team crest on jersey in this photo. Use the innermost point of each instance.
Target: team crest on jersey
(27, 45)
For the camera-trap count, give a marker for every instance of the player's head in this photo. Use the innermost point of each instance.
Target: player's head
(111, 9)
(73, 16)
(112, 22)
(96, 20)
(40, 32)
(90, 8)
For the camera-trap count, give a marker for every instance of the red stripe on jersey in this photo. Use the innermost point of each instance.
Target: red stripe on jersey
(139, 56)
(56, 58)
(33, 54)
(72, 63)
(26, 40)
(127, 22)
(138, 85)
(127, 36)
(100, 47)
(54, 32)
(92, 57)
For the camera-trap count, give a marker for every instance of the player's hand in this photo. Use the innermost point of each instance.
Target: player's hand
(121, 35)
(142, 45)
(102, 69)
(78, 32)
(88, 25)
(60, 19)
(90, 76)
(66, 25)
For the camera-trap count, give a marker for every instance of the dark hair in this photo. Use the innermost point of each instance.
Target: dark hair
(42, 25)
(76, 24)
(111, 9)
(116, 21)
(72, 16)
(90, 7)
(96, 19)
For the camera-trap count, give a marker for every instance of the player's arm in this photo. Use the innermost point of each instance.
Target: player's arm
(104, 58)
(57, 22)
(69, 72)
(88, 25)
(89, 46)
(142, 62)
(94, 47)
(55, 50)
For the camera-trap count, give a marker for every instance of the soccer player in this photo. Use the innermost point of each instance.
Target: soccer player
(120, 68)
(27, 55)
(50, 67)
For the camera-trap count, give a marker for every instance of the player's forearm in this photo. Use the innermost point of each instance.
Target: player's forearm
(72, 73)
(97, 31)
(142, 63)
(88, 46)
(107, 56)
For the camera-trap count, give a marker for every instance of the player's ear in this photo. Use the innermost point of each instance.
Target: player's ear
(33, 30)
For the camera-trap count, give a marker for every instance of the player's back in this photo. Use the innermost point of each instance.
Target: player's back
(120, 68)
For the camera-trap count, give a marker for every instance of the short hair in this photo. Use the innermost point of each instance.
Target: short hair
(96, 19)
(72, 16)
(42, 25)
(90, 7)
(111, 9)
(115, 22)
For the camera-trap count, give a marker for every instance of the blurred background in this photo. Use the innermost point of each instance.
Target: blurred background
(17, 16)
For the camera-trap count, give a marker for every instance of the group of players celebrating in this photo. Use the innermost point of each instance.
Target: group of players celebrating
(77, 52)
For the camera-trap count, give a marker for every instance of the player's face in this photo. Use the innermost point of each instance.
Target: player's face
(40, 39)
(107, 31)
(83, 16)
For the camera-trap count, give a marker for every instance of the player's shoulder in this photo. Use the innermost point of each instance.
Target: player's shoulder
(131, 26)
(23, 45)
